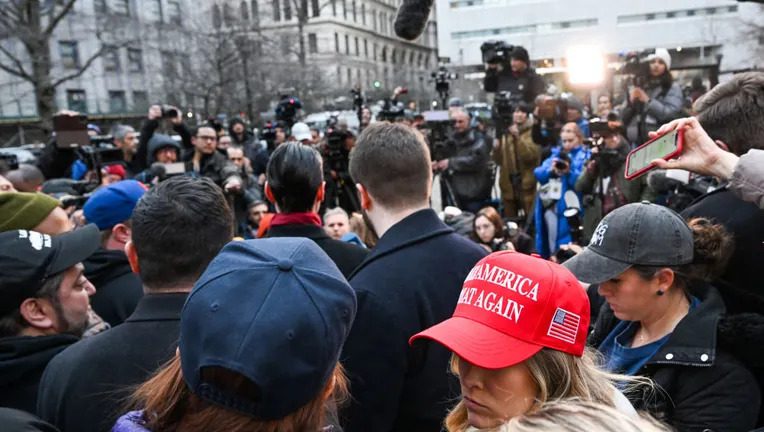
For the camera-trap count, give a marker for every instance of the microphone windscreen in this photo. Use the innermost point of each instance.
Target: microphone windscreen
(411, 19)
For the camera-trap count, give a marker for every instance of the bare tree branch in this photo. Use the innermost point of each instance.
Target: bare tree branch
(57, 19)
(82, 69)
(19, 71)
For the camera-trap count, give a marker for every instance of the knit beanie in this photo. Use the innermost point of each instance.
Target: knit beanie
(19, 210)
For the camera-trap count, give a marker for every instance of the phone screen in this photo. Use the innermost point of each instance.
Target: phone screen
(658, 149)
(175, 168)
(71, 131)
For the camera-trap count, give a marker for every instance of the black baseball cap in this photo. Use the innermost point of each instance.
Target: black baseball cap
(29, 258)
(276, 311)
(636, 234)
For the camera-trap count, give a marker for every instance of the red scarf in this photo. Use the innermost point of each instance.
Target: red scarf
(296, 219)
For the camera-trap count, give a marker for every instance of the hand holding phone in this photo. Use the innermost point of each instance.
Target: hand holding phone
(642, 159)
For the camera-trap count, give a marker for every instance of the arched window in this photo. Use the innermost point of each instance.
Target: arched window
(244, 11)
(217, 21)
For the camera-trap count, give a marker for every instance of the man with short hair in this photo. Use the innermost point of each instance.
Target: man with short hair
(206, 161)
(43, 305)
(26, 178)
(118, 288)
(295, 186)
(336, 223)
(85, 386)
(124, 139)
(411, 280)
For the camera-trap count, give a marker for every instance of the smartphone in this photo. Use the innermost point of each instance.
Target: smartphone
(666, 146)
(174, 168)
(71, 131)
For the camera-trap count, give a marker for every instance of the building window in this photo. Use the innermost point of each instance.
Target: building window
(374, 19)
(168, 64)
(344, 9)
(117, 103)
(350, 76)
(76, 100)
(244, 11)
(384, 54)
(277, 10)
(70, 56)
(285, 44)
(140, 101)
(134, 60)
(339, 75)
(347, 44)
(255, 12)
(111, 59)
(173, 11)
(363, 13)
(336, 42)
(357, 51)
(121, 7)
(228, 17)
(312, 43)
(375, 52)
(334, 10)
(355, 16)
(100, 7)
(287, 10)
(366, 48)
(155, 10)
(316, 8)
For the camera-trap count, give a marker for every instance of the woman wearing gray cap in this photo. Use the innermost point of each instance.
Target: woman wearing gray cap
(260, 339)
(661, 316)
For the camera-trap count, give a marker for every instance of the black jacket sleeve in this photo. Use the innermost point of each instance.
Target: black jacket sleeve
(55, 162)
(471, 159)
(148, 128)
(491, 80)
(185, 135)
(536, 86)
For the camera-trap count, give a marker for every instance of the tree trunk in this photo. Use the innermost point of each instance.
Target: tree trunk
(38, 47)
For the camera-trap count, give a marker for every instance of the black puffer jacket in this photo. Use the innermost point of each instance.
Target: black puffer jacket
(469, 169)
(215, 166)
(702, 386)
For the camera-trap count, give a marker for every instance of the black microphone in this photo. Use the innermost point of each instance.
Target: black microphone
(411, 19)
(660, 183)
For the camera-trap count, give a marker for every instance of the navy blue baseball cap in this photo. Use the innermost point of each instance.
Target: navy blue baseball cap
(113, 204)
(276, 311)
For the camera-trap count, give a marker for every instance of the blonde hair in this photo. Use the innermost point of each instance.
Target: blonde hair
(559, 375)
(169, 405)
(575, 415)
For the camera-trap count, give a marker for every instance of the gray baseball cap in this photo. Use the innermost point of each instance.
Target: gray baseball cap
(635, 234)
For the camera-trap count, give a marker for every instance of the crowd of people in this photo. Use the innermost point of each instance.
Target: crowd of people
(213, 282)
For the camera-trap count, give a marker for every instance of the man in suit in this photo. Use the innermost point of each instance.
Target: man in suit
(84, 387)
(410, 281)
(295, 185)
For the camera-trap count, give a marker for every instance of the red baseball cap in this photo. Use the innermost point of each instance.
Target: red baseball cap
(511, 306)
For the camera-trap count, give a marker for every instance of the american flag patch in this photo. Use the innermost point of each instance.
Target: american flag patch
(564, 326)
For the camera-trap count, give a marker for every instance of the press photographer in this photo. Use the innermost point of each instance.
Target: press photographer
(508, 69)
(287, 109)
(340, 188)
(517, 155)
(653, 96)
(602, 182)
(468, 170)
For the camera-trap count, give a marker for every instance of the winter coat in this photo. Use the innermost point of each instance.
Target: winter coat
(701, 386)
(469, 169)
(214, 166)
(747, 182)
(346, 256)
(518, 155)
(618, 192)
(144, 156)
(409, 282)
(741, 284)
(22, 362)
(85, 387)
(663, 106)
(529, 84)
(118, 289)
(543, 173)
(133, 422)
(14, 420)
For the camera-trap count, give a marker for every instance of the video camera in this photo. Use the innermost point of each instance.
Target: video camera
(636, 67)
(436, 128)
(95, 151)
(336, 154)
(287, 108)
(496, 52)
(9, 161)
(169, 112)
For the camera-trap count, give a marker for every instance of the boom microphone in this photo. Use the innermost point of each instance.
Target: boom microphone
(412, 18)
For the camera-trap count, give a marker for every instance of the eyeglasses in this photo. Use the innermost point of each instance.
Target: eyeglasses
(207, 137)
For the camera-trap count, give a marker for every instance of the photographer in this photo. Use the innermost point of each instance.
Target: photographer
(557, 175)
(602, 183)
(508, 69)
(163, 150)
(517, 155)
(155, 115)
(287, 109)
(335, 152)
(654, 99)
(206, 161)
(467, 171)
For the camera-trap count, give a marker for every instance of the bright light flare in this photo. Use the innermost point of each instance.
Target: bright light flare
(586, 65)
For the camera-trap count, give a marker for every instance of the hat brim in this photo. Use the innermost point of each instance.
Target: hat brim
(301, 137)
(593, 268)
(479, 344)
(74, 247)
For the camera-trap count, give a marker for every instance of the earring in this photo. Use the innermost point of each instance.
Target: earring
(660, 292)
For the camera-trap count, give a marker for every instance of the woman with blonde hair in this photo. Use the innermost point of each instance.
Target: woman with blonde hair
(518, 336)
(260, 339)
